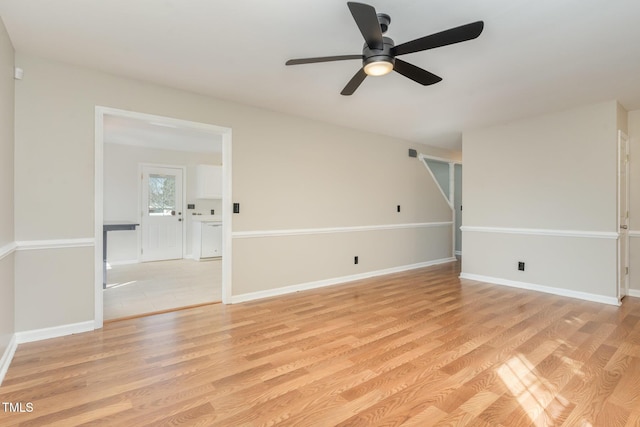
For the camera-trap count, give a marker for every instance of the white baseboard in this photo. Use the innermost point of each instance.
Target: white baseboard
(458, 253)
(54, 332)
(634, 293)
(541, 288)
(334, 281)
(7, 357)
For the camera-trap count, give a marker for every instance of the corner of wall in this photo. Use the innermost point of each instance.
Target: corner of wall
(7, 195)
(7, 357)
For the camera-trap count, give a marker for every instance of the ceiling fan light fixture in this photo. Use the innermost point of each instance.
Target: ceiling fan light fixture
(378, 68)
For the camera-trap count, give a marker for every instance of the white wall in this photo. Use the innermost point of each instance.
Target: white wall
(122, 192)
(6, 193)
(549, 178)
(288, 173)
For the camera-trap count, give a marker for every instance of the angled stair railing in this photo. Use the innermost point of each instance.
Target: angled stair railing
(441, 172)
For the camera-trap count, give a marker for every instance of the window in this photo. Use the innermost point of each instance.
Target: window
(162, 195)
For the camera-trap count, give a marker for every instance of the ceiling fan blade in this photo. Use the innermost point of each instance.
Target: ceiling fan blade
(353, 84)
(443, 38)
(321, 59)
(416, 74)
(367, 21)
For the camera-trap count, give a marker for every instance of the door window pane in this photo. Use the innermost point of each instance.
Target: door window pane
(162, 195)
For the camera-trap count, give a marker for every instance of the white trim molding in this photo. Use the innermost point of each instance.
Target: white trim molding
(634, 293)
(7, 357)
(30, 245)
(542, 232)
(7, 249)
(541, 288)
(333, 281)
(54, 332)
(439, 159)
(632, 233)
(329, 230)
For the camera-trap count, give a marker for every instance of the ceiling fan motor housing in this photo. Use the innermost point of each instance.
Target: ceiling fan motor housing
(379, 55)
(384, 20)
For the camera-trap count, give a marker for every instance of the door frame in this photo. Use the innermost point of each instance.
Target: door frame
(623, 235)
(227, 205)
(141, 167)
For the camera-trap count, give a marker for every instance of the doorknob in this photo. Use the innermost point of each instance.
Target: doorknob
(624, 227)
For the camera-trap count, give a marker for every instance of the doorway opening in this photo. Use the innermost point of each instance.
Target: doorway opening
(447, 175)
(155, 187)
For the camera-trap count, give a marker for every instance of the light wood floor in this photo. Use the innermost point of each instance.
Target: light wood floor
(415, 348)
(150, 287)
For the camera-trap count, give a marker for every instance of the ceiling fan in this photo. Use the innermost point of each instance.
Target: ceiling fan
(379, 53)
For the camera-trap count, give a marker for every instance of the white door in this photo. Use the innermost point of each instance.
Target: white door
(162, 218)
(623, 215)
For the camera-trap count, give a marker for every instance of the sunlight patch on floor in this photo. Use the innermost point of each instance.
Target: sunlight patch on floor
(533, 392)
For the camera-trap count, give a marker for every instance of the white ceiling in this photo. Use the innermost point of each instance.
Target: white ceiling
(161, 134)
(533, 56)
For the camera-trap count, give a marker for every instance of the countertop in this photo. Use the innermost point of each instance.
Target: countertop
(206, 218)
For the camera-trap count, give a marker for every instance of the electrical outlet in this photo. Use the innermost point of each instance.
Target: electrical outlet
(355, 259)
(520, 265)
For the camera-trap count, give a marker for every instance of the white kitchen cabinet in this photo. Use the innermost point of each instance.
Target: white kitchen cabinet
(208, 182)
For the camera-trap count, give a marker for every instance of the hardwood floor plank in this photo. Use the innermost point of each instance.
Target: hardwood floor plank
(633, 420)
(592, 388)
(429, 417)
(627, 392)
(612, 416)
(420, 347)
